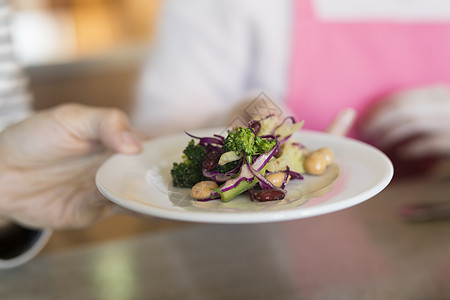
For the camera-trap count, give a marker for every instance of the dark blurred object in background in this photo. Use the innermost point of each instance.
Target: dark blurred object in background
(411, 167)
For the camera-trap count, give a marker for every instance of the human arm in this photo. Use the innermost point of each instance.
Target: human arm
(17, 243)
(48, 163)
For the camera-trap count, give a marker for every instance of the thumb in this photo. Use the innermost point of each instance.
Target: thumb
(110, 126)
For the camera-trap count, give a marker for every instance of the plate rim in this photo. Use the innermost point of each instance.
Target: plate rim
(257, 216)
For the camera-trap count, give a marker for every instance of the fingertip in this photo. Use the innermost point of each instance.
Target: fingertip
(130, 144)
(349, 115)
(343, 122)
(117, 134)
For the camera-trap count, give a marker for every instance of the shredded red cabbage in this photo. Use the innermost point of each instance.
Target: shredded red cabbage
(204, 141)
(282, 123)
(245, 170)
(263, 181)
(221, 177)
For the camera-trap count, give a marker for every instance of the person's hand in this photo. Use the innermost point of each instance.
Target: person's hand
(413, 124)
(342, 123)
(48, 164)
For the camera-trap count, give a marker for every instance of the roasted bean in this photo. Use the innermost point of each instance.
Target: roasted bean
(315, 163)
(203, 189)
(211, 160)
(327, 154)
(277, 178)
(269, 195)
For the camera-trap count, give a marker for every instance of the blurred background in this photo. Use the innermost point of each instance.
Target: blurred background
(91, 52)
(86, 51)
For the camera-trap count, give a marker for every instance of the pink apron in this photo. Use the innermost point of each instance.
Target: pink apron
(351, 64)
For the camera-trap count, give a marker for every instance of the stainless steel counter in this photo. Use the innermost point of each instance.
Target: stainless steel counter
(365, 252)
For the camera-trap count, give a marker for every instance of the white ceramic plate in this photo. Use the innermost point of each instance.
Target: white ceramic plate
(142, 183)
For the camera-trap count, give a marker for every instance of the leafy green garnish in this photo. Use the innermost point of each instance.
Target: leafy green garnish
(189, 172)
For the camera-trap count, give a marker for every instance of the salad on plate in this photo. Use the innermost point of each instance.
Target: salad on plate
(259, 158)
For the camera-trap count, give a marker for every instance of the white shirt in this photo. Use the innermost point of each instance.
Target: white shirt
(209, 55)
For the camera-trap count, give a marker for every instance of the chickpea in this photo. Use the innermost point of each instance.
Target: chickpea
(203, 189)
(277, 178)
(327, 154)
(315, 163)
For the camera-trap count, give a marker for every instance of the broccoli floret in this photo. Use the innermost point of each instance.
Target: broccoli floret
(263, 145)
(242, 139)
(189, 172)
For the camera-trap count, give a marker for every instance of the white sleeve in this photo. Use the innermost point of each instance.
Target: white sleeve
(207, 56)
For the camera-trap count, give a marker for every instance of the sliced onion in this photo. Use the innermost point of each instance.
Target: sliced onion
(232, 183)
(263, 181)
(247, 172)
(264, 158)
